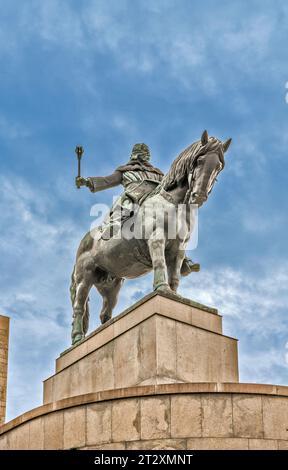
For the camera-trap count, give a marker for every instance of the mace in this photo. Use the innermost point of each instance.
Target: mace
(79, 152)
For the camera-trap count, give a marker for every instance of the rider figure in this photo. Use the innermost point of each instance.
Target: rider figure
(139, 177)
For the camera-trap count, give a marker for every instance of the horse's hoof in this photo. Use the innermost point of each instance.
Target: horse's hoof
(164, 288)
(77, 338)
(104, 319)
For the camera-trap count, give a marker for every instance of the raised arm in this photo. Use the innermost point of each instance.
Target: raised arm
(99, 183)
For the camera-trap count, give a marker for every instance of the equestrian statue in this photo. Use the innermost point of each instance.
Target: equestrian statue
(136, 236)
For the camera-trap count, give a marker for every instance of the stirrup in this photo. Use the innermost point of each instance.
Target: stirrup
(188, 266)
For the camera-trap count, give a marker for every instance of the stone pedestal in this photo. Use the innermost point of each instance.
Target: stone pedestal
(4, 339)
(159, 376)
(161, 339)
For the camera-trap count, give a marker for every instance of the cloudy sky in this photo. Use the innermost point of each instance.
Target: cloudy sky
(109, 73)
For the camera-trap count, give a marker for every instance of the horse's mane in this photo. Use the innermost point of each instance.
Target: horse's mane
(183, 164)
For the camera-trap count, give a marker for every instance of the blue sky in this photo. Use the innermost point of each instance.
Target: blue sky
(106, 74)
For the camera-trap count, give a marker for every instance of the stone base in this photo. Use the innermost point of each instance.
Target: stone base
(160, 339)
(159, 376)
(171, 416)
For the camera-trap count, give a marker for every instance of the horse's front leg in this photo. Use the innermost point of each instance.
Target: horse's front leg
(174, 263)
(82, 281)
(157, 253)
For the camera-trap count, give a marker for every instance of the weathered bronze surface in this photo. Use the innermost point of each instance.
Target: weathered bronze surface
(105, 260)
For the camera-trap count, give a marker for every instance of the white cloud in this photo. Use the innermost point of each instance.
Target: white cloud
(286, 353)
(244, 296)
(252, 36)
(55, 22)
(261, 223)
(194, 49)
(24, 217)
(12, 130)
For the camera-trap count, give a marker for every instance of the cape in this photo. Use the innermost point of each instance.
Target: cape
(139, 166)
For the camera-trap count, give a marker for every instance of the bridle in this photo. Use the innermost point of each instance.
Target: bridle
(191, 178)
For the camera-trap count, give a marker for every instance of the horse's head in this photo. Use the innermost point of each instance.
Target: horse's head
(206, 166)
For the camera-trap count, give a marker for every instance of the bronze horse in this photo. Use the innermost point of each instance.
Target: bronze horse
(106, 263)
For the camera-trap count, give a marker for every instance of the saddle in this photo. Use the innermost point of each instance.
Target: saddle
(138, 192)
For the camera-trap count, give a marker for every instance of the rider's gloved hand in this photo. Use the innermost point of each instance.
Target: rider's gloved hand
(80, 181)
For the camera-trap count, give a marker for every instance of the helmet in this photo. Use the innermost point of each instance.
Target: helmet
(140, 151)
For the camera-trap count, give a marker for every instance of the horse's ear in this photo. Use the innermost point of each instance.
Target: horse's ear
(204, 138)
(226, 145)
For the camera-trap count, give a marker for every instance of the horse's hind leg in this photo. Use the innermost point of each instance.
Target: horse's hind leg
(174, 261)
(109, 291)
(82, 281)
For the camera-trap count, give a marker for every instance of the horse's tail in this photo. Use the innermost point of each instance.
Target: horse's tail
(73, 287)
(86, 314)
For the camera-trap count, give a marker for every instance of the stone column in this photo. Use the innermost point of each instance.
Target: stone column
(4, 339)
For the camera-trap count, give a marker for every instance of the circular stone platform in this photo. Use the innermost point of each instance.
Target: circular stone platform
(168, 416)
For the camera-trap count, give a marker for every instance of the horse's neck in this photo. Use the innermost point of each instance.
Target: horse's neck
(178, 193)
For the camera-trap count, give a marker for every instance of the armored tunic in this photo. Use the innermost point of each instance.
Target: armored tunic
(138, 179)
(131, 176)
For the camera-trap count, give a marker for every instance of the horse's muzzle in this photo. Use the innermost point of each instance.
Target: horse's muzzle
(198, 198)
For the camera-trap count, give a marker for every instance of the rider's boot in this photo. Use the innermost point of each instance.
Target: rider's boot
(188, 266)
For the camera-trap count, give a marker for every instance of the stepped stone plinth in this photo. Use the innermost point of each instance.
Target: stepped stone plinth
(161, 339)
(161, 375)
